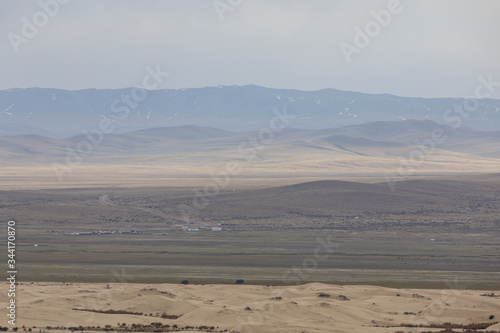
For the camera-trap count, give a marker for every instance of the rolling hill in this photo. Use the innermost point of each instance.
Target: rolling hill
(320, 199)
(381, 148)
(364, 140)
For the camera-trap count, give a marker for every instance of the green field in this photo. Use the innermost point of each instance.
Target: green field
(276, 257)
(434, 237)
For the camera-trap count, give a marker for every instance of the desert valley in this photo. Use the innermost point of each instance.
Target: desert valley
(263, 166)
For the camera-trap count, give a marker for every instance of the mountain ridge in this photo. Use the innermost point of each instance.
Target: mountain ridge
(372, 139)
(63, 113)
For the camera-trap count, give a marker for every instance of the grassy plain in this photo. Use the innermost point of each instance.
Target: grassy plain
(424, 245)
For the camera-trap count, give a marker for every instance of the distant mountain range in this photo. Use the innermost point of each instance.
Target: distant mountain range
(377, 140)
(63, 113)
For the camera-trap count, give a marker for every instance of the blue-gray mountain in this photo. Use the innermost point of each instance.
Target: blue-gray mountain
(382, 139)
(62, 113)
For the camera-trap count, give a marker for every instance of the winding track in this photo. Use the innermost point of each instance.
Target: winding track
(105, 200)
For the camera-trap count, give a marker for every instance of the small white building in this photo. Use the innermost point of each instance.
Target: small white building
(216, 228)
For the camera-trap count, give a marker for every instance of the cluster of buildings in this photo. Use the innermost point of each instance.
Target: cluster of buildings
(209, 227)
(109, 232)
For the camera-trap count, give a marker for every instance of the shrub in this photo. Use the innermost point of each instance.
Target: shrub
(164, 315)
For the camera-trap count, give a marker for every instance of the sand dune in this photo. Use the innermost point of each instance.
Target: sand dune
(245, 308)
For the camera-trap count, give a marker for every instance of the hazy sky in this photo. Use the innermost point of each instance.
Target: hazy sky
(425, 48)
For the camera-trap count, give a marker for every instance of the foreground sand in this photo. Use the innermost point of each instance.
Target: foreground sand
(246, 308)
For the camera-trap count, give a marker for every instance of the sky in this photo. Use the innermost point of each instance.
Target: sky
(426, 48)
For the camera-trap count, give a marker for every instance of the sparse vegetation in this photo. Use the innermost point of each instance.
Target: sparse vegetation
(450, 326)
(111, 311)
(123, 327)
(58, 212)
